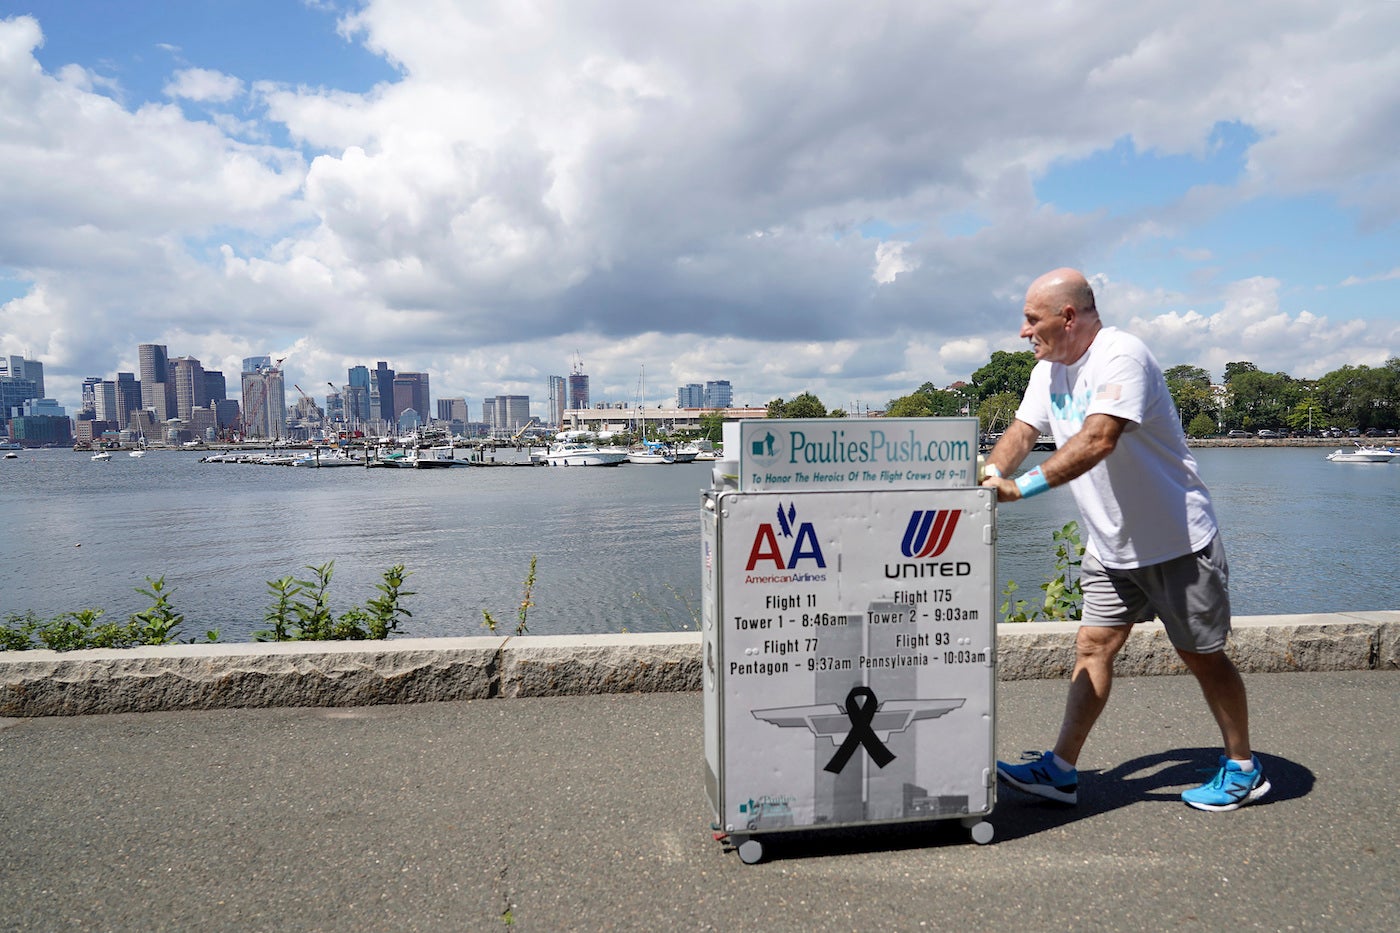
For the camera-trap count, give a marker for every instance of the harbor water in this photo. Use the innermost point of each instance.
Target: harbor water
(617, 549)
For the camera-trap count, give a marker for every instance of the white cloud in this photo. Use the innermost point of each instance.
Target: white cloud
(548, 176)
(203, 85)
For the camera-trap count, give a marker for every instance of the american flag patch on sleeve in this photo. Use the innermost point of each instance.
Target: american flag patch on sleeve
(1110, 391)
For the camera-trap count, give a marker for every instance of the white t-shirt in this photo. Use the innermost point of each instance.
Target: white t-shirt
(1145, 502)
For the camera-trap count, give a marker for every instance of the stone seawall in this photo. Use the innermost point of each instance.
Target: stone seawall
(183, 677)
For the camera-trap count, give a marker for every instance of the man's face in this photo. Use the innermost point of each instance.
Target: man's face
(1046, 328)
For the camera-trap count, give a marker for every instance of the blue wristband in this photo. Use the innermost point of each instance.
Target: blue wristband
(1032, 483)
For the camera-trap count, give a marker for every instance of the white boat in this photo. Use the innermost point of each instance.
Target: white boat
(326, 458)
(647, 452)
(577, 453)
(102, 455)
(433, 458)
(650, 452)
(686, 453)
(1363, 455)
(11, 455)
(138, 454)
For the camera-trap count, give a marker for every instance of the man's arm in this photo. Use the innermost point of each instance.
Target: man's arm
(1011, 448)
(1095, 441)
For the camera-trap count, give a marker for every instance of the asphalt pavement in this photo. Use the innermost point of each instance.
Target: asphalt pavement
(588, 813)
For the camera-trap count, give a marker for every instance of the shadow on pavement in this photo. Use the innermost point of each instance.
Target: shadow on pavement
(1156, 778)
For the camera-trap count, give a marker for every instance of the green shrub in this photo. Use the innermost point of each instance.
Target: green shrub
(1063, 592)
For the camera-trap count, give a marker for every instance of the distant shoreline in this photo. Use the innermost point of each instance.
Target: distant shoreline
(1332, 442)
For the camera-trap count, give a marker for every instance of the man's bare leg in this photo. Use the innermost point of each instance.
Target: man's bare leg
(1095, 648)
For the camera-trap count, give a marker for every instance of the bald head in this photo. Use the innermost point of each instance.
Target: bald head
(1061, 318)
(1063, 288)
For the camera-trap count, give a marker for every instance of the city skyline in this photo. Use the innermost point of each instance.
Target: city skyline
(835, 198)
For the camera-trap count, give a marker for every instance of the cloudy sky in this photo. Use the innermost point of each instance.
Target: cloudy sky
(835, 197)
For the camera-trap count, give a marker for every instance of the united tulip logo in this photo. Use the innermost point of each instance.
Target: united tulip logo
(929, 532)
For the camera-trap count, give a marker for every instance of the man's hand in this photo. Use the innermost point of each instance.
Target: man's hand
(1006, 489)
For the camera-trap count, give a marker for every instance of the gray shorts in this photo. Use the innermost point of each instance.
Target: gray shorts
(1190, 594)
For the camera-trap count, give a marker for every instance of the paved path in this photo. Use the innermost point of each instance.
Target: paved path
(588, 814)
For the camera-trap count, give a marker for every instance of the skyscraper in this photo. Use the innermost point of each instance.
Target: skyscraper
(189, 385)
(18, 384)
(90, 385)
(452, 409)
(558, 400)
(215, 388)
(719, 394)
(128, 398)
(690, 396)
(17, 367)
(157, 393)
(506, 414)
(264, 402)
(384, 385)
(578, 390)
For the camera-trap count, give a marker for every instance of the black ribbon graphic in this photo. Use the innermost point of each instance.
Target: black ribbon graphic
(861, 716)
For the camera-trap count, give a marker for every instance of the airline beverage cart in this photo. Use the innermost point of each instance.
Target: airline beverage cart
(848, 628)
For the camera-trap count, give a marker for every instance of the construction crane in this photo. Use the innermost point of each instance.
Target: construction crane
(313, 409)
(521, 433)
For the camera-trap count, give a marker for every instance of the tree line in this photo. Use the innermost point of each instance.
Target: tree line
(1249, 399)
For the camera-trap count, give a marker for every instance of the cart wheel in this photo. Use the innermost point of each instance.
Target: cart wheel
(982, 832)
(751, 851)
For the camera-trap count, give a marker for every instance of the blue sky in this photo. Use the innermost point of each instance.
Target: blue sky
(482, 189)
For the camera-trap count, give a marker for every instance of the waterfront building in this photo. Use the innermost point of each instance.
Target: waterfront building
(86, 431)
(104, 402)
(357, 405)
(264, 403)
(157, 389)
(226, 413)
(384, 386)
(718, 394)
(358, 397)
(625, 417)
(20, 380)
(204, 423)
(41, 421)
(335, 407)
(411, 391)
(558, 400)
(16, 366)
(452, 409)
(188, 378)
(215, 388)
(690, 396)
(578, 390)
(89, 403)
(506, 414)
(128, 398)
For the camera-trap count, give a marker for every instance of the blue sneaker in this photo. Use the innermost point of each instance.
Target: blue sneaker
(1041, 777)
(1230, 789)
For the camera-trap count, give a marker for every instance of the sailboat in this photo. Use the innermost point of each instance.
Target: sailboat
(139, 452)
(647, 452)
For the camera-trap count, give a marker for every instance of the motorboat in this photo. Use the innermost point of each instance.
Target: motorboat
(136, 454)
(577, 453)
(434, 458)
(1364, 455)
(102, 455)
(326, 458)
(651, 452)
(686, 453)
